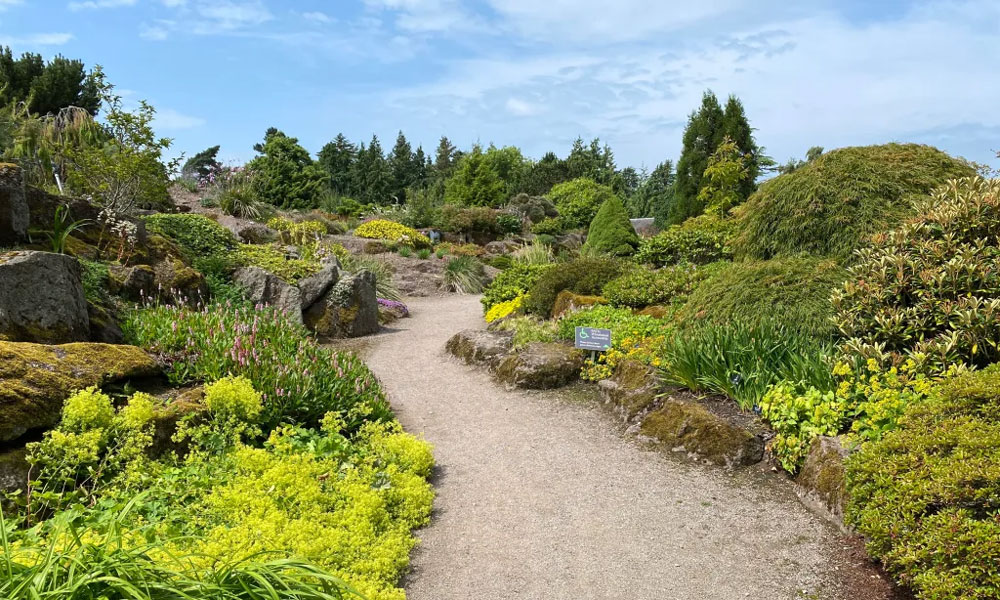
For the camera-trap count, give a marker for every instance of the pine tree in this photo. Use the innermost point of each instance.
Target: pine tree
(542, 175)
(653, 199)
(371, 175)
(445, 158)
(401, 166)
(702, 136)
(201, 164)
(337, 159)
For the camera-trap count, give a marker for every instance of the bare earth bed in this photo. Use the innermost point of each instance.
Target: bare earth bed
(540, 495)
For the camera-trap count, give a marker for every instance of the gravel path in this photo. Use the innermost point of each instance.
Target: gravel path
(540, 496)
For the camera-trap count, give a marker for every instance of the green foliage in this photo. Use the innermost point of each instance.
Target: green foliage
(529, 329)
(424, 253)
(511, 283)
(201, 165)
(611, 232)
(795, 291)
(272, 258)
(641, 287)
(465, 275)
(405, 251)
(655, 193)
(475, 182)
(699, 240)
(125, 169)
(95, 276)
(578, 202)
(384, 286)
(287, 175)
(508, 224)
(930, 290)
(548, 226)
(742, 359)
(723, 179)
(623, 323)
(925, 495)
(208, 344)
(472, 220)
(586, 276)
(705, 132)
(48, 87)
(337, 158)
(63, 227)
(835, 203)
(197, 235)
(532, 208)
(535, 253)
(380, 229)
(238, 192)
(798, 417)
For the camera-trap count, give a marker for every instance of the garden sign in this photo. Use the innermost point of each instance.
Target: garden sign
(589, 338)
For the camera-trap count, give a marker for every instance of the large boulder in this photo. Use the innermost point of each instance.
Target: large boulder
(14, 469)
(348, 309)
(36, 378)
(480, 345)
(632, 389)
(41, 298)
(313, 287)
(263, 287)
(689, 426)
(823, 476)
(133, 283)
(14, 214)
(174, 278)
(541, 366)
(567, 302)
(104, 326)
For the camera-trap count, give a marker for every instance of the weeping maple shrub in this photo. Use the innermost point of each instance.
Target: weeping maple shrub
(930, 290)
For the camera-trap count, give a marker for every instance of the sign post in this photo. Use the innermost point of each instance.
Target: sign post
(593, 339)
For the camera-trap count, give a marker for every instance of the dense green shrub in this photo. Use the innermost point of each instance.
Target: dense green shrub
(926, 495)
(586, 276)
(742, 359)
(197, 235)
(273, 258)
(528, 329)
(611, 232)
(287, 175)
(833, 204)
(532, 208)
(931, 289)
(549, 226)
(208, 344)
(700, 240)
(509, 223)
(578, 201)
(794, 290)
(511, 283)
(638, 338)
(381, 229)
(469, 220)
(641, 287)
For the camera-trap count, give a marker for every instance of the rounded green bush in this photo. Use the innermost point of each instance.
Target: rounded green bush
(578, 202)
(641, 287)
(793, 290)
(611, 232)
(699, 240)
(511, 283)
(930, 290)
(833, 204)
(586, 276)
(926, 495)
(197, 235)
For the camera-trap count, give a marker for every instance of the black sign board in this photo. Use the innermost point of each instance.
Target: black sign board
(589, 338)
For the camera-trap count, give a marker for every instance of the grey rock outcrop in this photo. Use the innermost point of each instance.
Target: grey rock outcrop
(541, 366)
(263, 287)
(14, 213)
(41, 298)
(313, 287)
(348, 309)
(480, 346)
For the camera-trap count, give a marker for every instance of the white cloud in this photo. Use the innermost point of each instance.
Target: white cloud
(156, 32)
(318, 17)
(5, 4)
(521, 108)
(230, 15)
(427, 16)
(95, 4)
(37, 39)
(169, 119)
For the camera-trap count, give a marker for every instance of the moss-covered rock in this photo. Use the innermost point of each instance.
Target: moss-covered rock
(480, 346)
(541, 366)
(823, 474)
(42, 298)
(166, 416)
(632, 389)
(568, 301)
(13, 471)
(35, 378)
(348, 309)
(14, 215)
(692, 427)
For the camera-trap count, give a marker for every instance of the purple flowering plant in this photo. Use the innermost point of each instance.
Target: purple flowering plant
(393, 304)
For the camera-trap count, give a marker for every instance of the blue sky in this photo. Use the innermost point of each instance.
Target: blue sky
(539, 73)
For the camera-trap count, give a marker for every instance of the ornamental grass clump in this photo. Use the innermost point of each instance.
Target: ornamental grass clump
(465, 275)
(299, 380)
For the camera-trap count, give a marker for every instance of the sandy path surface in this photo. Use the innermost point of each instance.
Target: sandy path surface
(540, 496)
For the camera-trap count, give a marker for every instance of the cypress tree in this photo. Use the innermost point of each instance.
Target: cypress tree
(702, 136)
(736, 127)
(401, 168)
(337, 159)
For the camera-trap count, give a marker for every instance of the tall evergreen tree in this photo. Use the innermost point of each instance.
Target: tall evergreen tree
(653, 198)
(594, 161)
(444, 158)
(419, 167)
(372, 176)
(703, 134)
(542, 175)
(337, 159)
(402, 168)
(201, 164)
(736, 127)
(48, 87)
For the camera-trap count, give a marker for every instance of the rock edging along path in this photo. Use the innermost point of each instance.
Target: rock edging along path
(541, 497)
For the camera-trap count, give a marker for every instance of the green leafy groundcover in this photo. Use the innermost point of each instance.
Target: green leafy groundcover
(292, 482)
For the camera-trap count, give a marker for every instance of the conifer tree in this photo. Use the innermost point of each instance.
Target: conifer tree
(337, 159)
(702, 136)
(401, 166)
